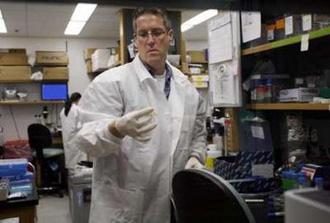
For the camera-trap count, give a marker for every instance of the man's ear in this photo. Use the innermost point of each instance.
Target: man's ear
(171, 37)
(134, 40)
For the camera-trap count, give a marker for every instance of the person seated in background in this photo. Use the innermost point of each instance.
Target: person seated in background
(69, 122)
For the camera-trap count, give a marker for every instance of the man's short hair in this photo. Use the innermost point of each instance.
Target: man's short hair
(153, 11)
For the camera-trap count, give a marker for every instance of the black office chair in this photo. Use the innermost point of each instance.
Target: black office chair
(201, 196)
(47, 159)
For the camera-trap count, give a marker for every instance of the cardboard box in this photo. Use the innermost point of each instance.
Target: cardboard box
(55, 73)
(89, 66)
(200, 84)
(298, 94)
(15, 73)
(55, 58)
(13, 50)
(88, 53)
(197, 56)
(13, 59)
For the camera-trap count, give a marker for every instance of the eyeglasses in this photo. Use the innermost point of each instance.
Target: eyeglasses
(155, 33)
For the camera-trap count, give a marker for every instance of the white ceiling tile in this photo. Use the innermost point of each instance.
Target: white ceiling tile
(50, 20)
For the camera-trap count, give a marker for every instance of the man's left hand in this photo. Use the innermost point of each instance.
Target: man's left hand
(193, 162)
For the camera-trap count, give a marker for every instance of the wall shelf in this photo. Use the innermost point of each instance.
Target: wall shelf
(37, 102)
(32, 81)
(289, 106)
(285, 42)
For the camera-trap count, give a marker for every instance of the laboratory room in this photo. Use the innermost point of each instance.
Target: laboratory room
(164, 111)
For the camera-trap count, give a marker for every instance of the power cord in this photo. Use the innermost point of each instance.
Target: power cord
(15, 123)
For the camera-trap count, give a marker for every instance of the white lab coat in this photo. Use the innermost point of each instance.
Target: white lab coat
(69, 128)
(132, 180)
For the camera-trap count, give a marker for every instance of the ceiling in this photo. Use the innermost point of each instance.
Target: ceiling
(49, 20)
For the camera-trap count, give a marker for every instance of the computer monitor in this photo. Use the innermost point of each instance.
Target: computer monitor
(54, 91)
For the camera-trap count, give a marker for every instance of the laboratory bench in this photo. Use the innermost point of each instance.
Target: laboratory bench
(24, 209)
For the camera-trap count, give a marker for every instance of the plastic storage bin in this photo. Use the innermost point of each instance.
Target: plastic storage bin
(12, 167)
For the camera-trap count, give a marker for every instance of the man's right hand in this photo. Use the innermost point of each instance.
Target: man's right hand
(136, 124)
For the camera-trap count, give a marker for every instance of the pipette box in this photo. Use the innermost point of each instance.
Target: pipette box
(11, 167)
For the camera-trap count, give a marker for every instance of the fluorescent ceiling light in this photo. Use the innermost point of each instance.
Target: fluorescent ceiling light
(83, 11)
(81, 14)
(74, 27)
(3, 28)
(201, 17)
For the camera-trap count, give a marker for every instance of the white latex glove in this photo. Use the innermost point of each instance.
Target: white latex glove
(193, 162)
(137, 124)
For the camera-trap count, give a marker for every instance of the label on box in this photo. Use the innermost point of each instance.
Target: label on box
(200, 84)
(51, 57)
(257, 132)
(200, 78)
(288, 25)
(263, 170)
(270, 34)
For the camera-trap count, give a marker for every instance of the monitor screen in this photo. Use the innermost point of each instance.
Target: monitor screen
(54, 91)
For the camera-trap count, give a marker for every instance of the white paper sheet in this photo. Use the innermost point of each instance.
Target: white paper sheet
(257, 132)
(224, 84)
(288, 25)
(223, 91)
(220, 38)
(307, 22)
(251, 26)
(10, 220)
(263, 170)
(304, 42)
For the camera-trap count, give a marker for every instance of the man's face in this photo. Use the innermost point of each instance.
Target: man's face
(152, 39)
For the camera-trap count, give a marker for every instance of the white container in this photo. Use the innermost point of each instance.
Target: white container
(211, 156)
(298, 94)
(100, 59)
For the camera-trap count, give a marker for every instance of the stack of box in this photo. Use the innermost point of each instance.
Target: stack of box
(198, 68)
(54, 65)
(14, 65)
(99, 60)
(15, 171)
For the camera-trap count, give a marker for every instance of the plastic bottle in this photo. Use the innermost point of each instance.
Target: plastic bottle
(268, 91)
(319, 183)
(284, 178)
(217, 139)
(302, 182)
(211, 156)
(260, 91)
(253, 93)
(289, 180)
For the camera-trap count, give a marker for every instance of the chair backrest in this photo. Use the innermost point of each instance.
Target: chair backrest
(202, 196)
(39, 138)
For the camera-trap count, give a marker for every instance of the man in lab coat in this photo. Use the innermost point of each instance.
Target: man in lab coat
(149, 124)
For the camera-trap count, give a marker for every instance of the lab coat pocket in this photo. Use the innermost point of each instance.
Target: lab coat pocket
(118, 205)
(185, 133)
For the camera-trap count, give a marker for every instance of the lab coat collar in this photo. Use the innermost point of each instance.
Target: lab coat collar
(143, 74)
